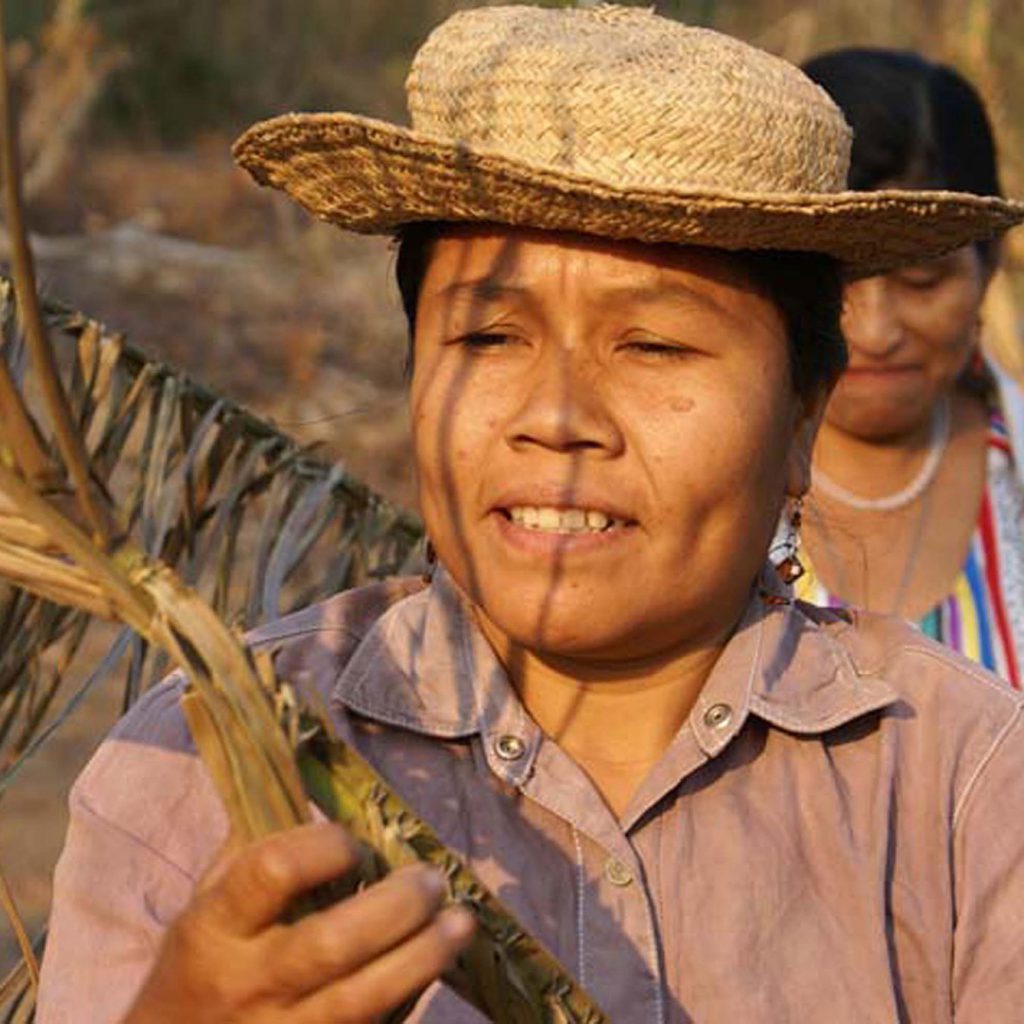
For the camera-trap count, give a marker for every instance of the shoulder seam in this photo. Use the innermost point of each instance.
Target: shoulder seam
(972, 782)
(255, 642)
(81, 804)
(968, 669)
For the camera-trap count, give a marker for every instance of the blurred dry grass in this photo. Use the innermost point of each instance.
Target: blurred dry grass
(148, 226)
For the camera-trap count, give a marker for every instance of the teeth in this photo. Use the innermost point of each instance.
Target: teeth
(561, 520)
(575, 519)
(549, 519)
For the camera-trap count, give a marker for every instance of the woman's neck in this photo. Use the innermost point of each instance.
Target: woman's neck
(904, 560)
(871, 467)
(616, 720)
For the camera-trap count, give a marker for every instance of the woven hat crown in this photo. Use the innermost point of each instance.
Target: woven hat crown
(621, 95)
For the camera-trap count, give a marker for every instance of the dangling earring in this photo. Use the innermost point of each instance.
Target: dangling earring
(430, 560)
(785, 552)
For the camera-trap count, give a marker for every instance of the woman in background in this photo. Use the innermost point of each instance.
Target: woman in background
(916, 505)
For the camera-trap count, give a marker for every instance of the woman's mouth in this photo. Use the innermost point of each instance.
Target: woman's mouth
(880, 372)
(560, 531)
(548, 519)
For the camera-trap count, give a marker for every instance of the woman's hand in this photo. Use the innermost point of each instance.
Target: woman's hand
(228, 958)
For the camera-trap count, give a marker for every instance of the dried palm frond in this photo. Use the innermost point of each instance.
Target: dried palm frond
(233, 707)
(65, 538)
(201, 482)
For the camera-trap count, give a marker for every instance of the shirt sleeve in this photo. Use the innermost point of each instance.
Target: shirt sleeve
(988, 949)
(145, 822)
(113, 898)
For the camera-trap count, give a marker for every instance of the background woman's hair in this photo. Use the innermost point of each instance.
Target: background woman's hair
(916, 124)
(806, 288)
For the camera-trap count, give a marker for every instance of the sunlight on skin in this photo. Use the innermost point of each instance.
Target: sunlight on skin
(648, 383)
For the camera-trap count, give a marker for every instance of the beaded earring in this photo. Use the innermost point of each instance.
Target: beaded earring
(430, 561)
(785, 552)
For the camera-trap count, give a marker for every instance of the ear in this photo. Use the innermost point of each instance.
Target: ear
(809, 413)
(988, 266)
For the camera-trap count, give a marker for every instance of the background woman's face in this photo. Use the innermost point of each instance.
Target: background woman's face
(602, 434)
(910, 334)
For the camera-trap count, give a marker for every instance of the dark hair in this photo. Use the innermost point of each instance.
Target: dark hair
(806, 288)
(915, 123)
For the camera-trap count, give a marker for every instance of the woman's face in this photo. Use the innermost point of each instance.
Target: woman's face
(603, 433)
(910, 334)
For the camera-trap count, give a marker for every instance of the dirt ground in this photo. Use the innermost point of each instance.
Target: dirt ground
(292, 318)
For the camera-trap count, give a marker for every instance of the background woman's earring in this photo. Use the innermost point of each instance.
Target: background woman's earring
(789, 567)
(430, 558)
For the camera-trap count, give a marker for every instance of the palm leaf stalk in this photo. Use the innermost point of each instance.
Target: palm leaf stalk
(241, 720)
(505, 973)
(61, 538)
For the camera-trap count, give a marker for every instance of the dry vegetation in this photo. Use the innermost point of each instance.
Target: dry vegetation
(143, 222)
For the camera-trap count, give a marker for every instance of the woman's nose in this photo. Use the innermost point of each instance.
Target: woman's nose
(870, 320)
(564, 408)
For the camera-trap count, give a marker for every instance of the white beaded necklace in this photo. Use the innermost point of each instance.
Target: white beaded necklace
(941, 423)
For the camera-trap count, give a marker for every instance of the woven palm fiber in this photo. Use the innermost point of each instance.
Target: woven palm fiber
(615, 122)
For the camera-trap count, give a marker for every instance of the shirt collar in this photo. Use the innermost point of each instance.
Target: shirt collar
(425, 666)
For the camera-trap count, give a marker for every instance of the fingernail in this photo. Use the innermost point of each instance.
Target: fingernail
(424, 875)
(456, 923)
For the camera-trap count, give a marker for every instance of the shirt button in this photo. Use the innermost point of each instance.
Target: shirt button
(509, 748)
(617, 873)
(718, 716)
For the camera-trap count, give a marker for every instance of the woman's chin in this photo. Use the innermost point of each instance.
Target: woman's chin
(878, 420)
(587, 631)
(550, 630)
(561, 628)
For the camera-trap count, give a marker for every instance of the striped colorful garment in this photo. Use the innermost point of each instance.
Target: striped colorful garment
(983, 616)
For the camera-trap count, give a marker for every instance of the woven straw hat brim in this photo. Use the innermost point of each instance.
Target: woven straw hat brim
(371, 177)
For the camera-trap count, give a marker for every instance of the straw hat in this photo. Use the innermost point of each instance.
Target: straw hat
(615, 122)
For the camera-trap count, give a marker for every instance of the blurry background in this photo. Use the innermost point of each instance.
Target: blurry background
(128, 110)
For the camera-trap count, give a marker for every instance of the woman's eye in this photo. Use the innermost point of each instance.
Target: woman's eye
(480, 341)
(922, 278)
(654, 347)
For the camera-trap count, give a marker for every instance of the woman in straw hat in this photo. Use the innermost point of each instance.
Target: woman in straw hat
(916, 503)
(620, 242)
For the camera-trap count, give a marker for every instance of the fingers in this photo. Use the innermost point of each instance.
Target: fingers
(228, 957)
(340, 940)
(256, 885)
(391, 979)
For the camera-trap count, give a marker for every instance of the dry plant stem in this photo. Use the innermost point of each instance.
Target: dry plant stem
(52, 579)
(24, 943)
(20, 432)
(17, 428)
(265, 790)
(207, 738)
(130, 603)
(68, 440)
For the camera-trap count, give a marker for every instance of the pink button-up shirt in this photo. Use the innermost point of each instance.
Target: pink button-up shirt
(835, 834)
